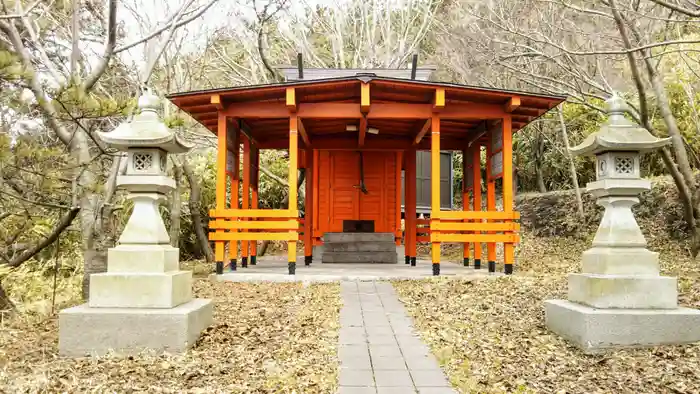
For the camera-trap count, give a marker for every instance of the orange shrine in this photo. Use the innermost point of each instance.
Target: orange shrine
(354, 136)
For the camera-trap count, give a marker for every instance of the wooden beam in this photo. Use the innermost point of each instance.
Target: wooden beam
(479, 132)
(329, 111)
(377, 142)
(439, 103)
(257, 110)
(304, 135)
(376, 111)
(364, 97)
(291, 100)
(472, 111)
(422, 132)
(248, 132)
(362, 132)
(216, 100)
(512, 104)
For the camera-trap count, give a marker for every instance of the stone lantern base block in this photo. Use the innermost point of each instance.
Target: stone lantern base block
(624, 291)
(86, 331)
(137, 290)
(597, 330)
(143, 258)
(620, 261)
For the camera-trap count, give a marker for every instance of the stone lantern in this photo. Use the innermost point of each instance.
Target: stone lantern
(620, 300)
(143, 301)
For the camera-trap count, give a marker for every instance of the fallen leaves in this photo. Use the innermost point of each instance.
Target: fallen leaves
(490, 334)
(266, 338)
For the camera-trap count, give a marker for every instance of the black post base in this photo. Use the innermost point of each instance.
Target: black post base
(244, 262)
(408, 259)
(492, 266)
(292, 268)
(219, 267)
(436, 269)
(508, 269)
(253, 260)
(413, 261)
(477, 264)
(308, 260)
(466, 261)
(232, 264)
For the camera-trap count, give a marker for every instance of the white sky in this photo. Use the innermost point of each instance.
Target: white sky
(225, 12)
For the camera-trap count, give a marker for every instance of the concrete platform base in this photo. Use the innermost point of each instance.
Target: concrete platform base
(86, 331)
(596, 330)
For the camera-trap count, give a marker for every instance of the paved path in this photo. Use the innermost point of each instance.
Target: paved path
(379, 350)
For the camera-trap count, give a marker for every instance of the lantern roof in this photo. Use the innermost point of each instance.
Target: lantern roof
(619, 133)
(145, 130)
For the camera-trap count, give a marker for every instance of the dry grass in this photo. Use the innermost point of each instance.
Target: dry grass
(490, 335)
(267, 338)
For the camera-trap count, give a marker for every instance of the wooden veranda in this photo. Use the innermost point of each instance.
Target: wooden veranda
(329, 124)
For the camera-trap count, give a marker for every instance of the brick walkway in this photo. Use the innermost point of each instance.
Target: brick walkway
(379, 350)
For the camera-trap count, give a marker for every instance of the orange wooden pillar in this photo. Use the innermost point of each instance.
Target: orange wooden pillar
(292, 177)
(490, 202)
(219, 253)
(245, 200)
(467, 183)
(254, 180)
(233, 170)
(315, 187)
(476, 180)
(410, 207)
(397, 227)
(309, 206)
(435, 191)
(508, 248)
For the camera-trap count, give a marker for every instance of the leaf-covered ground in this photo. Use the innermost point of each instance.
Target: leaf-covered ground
(266, 338)
(490, 334)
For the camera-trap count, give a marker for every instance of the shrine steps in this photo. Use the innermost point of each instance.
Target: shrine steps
(373, 248)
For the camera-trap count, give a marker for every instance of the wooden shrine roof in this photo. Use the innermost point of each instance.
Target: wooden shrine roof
(201, 107)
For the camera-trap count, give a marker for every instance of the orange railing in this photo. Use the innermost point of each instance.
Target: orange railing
(469, 226)
(475, 226)
(254, 225)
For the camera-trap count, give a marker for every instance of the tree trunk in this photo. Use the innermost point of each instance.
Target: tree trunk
(6, 306)
(572, 165)
(176, 207)
(195, 211)
(285, 204)
(537, 150)
(94, 254)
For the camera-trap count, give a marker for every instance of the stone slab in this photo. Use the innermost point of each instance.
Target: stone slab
(86, 331)
(143, 258)
(360, 247)
(597, 330)
(624, 291)
(140, 290)
(358, 237)
(359, 257)
(620, 261)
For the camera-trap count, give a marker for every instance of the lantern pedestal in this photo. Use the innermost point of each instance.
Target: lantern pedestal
(87, 331)
(596, 330)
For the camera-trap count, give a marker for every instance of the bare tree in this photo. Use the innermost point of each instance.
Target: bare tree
(64, 102)
(587, 50)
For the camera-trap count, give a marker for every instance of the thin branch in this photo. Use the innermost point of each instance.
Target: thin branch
(109, 48)
(22, 14)
(62, 225)
(678, 8)
(164, 28)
